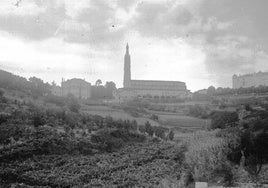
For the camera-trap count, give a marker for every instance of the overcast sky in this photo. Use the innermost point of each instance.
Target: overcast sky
(200, 42)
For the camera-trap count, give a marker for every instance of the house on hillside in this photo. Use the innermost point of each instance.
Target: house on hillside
(79, 88)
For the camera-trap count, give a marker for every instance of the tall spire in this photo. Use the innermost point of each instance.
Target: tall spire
(127, 69)
(127, 49)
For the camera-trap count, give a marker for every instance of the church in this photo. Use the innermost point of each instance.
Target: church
(148, 88)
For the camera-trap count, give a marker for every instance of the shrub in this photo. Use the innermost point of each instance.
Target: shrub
(112, 139)
(171, 135)
(1, 93)
(154, 117)
(232, 136)
(160, 132)
(41, 141)
(11, 130)
(222, 119)
(142, 129)
(106, 141)
(255, 147)
(38, 119)
(197, 111)
(4, 117)
(206, 154)
(149, 129)
(73, 104)
(59, 101)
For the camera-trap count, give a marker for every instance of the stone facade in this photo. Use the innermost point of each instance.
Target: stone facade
(77, 87)
(149, 88)
(250, 80)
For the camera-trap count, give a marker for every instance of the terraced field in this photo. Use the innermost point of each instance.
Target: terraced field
(181, 123)
(115, 114)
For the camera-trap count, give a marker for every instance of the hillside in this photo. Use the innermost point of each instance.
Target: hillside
(50, 141)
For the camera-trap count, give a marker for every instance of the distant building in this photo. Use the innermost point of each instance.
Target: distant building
(77, 87)
(149, 88)
(250, 80)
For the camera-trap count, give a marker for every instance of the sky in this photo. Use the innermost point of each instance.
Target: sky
(199, 42)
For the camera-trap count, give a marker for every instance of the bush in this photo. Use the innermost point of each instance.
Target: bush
(149, 129)
(206, 155)
(106, 142)
(197, 111)
(73, 104)
(255, 148)
(154, 117)
(59, 101)
(8, 131)
(1, 93)
(42, 141)
(232, 136)
(4, 117)
(38, 119)
(112, 139)
(171, 135)
(142, 129)
(222, 119)
(160, 132)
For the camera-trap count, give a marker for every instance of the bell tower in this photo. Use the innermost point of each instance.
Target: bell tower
(127, 72)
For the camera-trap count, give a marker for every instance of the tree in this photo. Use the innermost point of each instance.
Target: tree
(73, 104)
(110, 88)
(223, 119)
(53, 84)
(211, 90)
(159, 132)
(142, 129)
(1, 93)
(98, 82)
(171, 135)
(134, 125)
(256, 153)
(38, 87)
(38, 119)
(149, 129)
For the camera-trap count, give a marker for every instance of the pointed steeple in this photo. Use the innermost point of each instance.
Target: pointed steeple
(127, 71)
(127, 49)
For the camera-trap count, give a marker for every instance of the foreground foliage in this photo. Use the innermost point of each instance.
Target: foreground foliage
(137, 164)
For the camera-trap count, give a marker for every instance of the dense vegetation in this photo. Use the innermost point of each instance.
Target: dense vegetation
(47, 141)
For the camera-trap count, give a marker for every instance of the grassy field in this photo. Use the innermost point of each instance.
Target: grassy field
(181, 123)
(177, 121)
(115, 113)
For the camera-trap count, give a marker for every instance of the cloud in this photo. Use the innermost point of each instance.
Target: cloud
(52, 59)
(33, 26)
(26, 7)
(228, 36)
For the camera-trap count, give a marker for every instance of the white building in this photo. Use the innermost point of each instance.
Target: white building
(250, 80)
(77, 87)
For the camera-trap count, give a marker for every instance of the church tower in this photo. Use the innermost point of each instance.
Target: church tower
(127, 72)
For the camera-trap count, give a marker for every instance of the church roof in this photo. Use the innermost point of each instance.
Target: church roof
(159, 81)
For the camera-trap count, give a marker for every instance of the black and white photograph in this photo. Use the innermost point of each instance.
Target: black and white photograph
(134, 93)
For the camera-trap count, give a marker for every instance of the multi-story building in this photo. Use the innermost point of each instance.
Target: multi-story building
(250, 80)
(77, 87)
